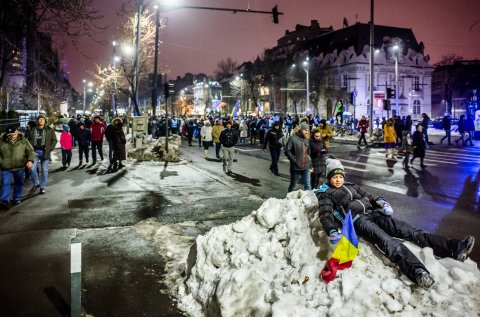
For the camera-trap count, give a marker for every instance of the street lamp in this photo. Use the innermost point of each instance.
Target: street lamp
(155, 67)
(84, 95)
(306, 65)
(396, 48)
(115, 59)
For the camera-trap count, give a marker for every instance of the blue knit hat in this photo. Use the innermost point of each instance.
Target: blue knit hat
(66, 127)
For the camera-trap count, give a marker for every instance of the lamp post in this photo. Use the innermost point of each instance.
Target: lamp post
(396, 49)
(305, 68)
(84, 95)
(90, 85)
(115, 59)
(372, 43)
(155, 64)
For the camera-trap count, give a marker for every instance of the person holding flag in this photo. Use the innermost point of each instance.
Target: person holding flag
(345, 251)
(373, 221)
(234, 113)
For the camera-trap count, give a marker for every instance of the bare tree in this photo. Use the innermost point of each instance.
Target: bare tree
(448, 59)
(226, 69)
(123, 76)
(20, 19)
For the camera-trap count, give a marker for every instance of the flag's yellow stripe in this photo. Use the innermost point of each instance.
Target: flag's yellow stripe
(345, 251)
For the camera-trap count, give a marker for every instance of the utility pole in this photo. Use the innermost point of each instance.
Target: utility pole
(137, 57)
(155, 65)
(372, 48)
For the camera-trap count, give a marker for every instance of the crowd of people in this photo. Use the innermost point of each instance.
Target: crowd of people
(26, 156)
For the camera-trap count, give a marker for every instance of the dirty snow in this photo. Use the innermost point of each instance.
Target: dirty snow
(268, 264)
(154, 149)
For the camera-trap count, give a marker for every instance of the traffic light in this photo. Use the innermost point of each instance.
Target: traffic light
(168, 90)
(275, 14)
(386, 105)
(391, 93)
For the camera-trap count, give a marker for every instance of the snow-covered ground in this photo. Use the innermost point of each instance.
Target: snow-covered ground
(268, 264)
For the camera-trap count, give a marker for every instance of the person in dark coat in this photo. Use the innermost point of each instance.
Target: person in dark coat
(462, 128)
(398, 124)
(43, 139)
(470, 128)
(228, 139)
(408, 124)
(73, 130)
(446, 127)
(317, 154)
(190, 125)
(273, 140)
(373, 221)
(253, 131)
(419, 145)
(298, 153)
(119, 141)
(84, 139)
(425, 123)
(109, 131)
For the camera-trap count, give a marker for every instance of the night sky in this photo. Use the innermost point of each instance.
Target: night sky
(196, 40)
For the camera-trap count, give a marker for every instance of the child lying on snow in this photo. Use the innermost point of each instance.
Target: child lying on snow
(373, 221)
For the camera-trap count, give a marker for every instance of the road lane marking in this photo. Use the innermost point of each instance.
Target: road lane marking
(383, 186)
(378, 160)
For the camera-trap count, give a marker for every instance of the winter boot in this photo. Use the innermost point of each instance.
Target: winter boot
(423, 278)
(205, 154)
(80, 163)
(394, 152)
(465, 247)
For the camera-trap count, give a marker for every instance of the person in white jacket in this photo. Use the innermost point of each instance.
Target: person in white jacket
(206, 133)
(243, 133)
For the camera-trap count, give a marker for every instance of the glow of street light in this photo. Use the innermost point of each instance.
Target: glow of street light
(84, 81)
(396, 47)
(90, 84)
(127, 49)
(114, 43)
(90, 90)
(169, 2)
(294, 65)
(377, 50)
(237, 78)
(116, 58)
(305, 63)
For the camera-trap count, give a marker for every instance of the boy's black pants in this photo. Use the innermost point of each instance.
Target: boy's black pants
(383, 230)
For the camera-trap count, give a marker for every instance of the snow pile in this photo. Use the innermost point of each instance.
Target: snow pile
(154, 150)
(268, 264)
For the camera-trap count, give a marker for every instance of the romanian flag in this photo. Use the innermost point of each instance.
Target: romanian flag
(345, 252)
(216, 104)
(235, 109)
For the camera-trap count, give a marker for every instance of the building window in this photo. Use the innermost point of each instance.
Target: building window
(416, 83)
(416, 107)
(345, 81)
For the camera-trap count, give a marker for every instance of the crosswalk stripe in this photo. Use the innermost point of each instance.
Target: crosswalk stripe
(383, 186)
(436, 160)
(455, 158)
(383, 161)
(355, 168)
(373, 162)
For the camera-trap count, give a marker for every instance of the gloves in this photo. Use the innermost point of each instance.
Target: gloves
(334, 237)
(386, 207)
